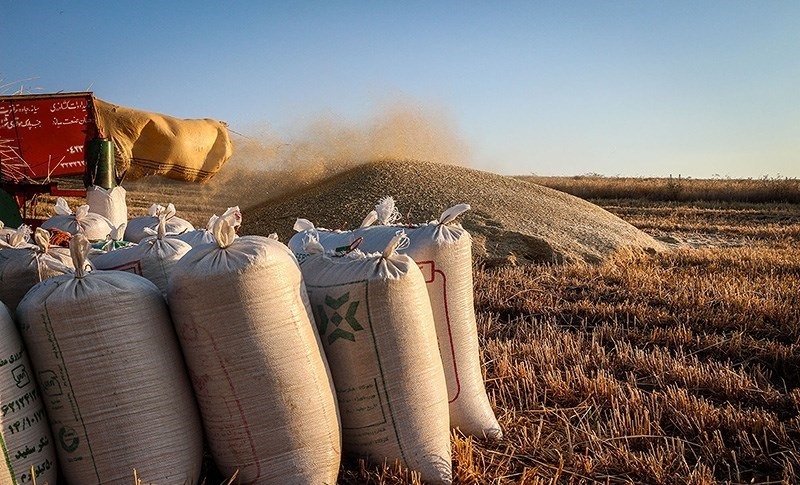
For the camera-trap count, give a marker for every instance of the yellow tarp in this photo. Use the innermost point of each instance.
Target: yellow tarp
(148, 143)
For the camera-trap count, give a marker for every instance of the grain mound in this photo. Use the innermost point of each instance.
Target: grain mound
(511, 221)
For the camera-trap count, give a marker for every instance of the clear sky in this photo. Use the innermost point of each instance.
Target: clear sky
(644, 88)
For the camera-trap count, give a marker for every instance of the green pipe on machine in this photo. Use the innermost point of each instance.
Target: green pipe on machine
(100, 163)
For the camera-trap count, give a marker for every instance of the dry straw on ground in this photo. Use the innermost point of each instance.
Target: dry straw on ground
(681, 189)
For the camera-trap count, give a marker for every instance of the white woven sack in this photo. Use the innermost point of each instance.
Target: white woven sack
(16, 238)
(94, 226)
(443, 251)
(135, 231)
(152, 258)
(195, 238)
(24, 433)
(23, 267)
(113, 242)
(257, 365)
(6, 232)
(112, 377)
(206, 235)
(376, 326)
(108, 203)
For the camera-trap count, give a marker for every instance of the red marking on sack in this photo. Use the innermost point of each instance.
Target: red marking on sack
(199, 382)
(429, 270)
(245, 425)
(355, 244)
(134, 267)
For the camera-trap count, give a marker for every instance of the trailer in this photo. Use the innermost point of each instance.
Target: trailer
(49, 137)
(42, 138)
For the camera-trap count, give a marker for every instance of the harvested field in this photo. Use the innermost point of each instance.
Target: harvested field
(674, 367)
(702, 223)
(676, 189)
(671, 368)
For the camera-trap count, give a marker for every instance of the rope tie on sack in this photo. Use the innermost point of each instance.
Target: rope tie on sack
(399, 242)
(311, 237)
(233, 214)
(80, 215)
(311, 245)
(157, 210)
(387, 211)
(79, 248)
(453, 212)
(62, 208)
(115, 237)
(404, 241)
(42, 239)
(162, 227)
(224, 232)
(310, 242)
(81, 212)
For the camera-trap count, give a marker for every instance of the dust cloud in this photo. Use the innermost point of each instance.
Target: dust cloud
(267, 165)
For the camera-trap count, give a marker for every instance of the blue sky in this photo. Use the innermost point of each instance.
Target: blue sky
(640, 88)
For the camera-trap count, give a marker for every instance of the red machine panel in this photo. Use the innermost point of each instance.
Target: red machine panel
(43, 136)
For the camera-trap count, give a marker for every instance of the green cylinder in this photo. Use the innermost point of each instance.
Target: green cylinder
(100, 163)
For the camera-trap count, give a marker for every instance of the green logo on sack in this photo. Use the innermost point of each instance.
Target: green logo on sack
(336, 319)
(69, 439)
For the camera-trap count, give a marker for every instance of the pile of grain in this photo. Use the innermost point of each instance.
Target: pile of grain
(511, 220)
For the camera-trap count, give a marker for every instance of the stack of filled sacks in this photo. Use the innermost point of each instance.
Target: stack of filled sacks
(205, 235)
(24, 433)
(255, 360)
(94, 226)
(112, 376)
(157, 249)
(104, 212)
(109, 203)
(16, 238)
(153, 257)
(23, 265)
(376, 325)
(443, 252)
(103, 349)
(135, 230)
